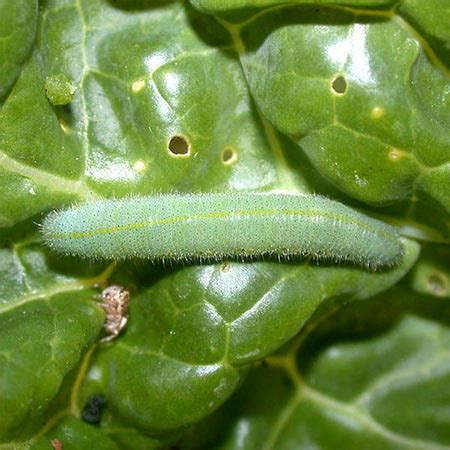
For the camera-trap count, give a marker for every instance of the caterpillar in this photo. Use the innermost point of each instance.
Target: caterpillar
(215, 226)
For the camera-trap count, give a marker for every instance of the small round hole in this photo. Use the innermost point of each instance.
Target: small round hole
(229, 155)
(339, 85)
(437, 284)
(178, 145)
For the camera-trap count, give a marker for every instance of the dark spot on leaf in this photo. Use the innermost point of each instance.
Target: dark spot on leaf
(339, 85)
(92, 411)
(178, 145)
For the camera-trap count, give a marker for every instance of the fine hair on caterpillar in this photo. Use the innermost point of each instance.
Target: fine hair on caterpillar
(218, 226)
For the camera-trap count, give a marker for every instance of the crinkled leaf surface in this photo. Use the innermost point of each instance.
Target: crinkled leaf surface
(47, 321)
(357, 379)
(221, 6)
(351, 98)
(345, 98)
(191, 333)
(18, 22)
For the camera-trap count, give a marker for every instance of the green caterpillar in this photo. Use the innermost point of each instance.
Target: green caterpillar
(222, 225)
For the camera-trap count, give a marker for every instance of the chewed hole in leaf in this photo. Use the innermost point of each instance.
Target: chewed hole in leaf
(437, 284)
(179, 146)
(339, 85)
(65, 116)
(229, 155)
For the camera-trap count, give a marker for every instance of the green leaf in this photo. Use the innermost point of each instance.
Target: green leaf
(423, 16)
(109, 98)
(18, 21)
(191, 333)
(73, 435)
(325, 73)
(39, 165)
(167, 88)
(221, 6)
(355, 390)
(48, 319)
